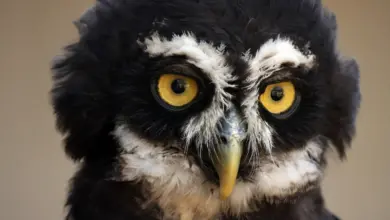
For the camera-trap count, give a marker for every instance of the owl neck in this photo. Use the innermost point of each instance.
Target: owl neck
(94, 195)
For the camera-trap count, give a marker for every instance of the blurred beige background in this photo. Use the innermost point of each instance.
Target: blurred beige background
(33, 168)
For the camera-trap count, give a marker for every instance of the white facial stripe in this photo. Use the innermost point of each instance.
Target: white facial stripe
(211, 61)
(268, 59)
(286, 174)
(172, 180)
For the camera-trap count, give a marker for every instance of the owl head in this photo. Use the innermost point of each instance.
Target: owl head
(215, 100)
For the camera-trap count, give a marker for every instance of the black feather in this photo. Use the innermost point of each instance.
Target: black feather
(105, 76)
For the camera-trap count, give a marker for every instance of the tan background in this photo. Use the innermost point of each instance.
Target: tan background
(34, 170)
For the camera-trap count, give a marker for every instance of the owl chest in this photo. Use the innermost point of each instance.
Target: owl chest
(189, 207)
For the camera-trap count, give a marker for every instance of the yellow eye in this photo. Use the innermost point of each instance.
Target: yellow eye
(279, 97)
(177, 90)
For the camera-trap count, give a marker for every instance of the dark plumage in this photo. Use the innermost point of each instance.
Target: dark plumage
(143, 158)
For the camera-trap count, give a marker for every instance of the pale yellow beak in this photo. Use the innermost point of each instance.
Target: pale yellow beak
(227, 162)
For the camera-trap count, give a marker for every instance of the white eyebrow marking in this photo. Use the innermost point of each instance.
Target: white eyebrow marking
(276, 52)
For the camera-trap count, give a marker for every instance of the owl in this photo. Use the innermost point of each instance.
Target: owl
(203, 109)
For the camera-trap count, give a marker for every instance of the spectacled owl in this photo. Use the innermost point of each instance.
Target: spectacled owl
(203, 109)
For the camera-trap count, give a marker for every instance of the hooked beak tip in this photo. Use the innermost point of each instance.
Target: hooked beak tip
(227, 163)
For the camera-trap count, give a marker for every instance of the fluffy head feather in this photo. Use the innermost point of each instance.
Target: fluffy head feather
(128, 141)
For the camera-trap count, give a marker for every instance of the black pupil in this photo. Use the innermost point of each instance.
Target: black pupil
(179, 86)
(277, 93)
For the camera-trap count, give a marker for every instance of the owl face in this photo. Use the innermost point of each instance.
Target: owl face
(208, 100)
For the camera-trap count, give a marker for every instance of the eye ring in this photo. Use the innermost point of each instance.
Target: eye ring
(280, 99)
(176, 92)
